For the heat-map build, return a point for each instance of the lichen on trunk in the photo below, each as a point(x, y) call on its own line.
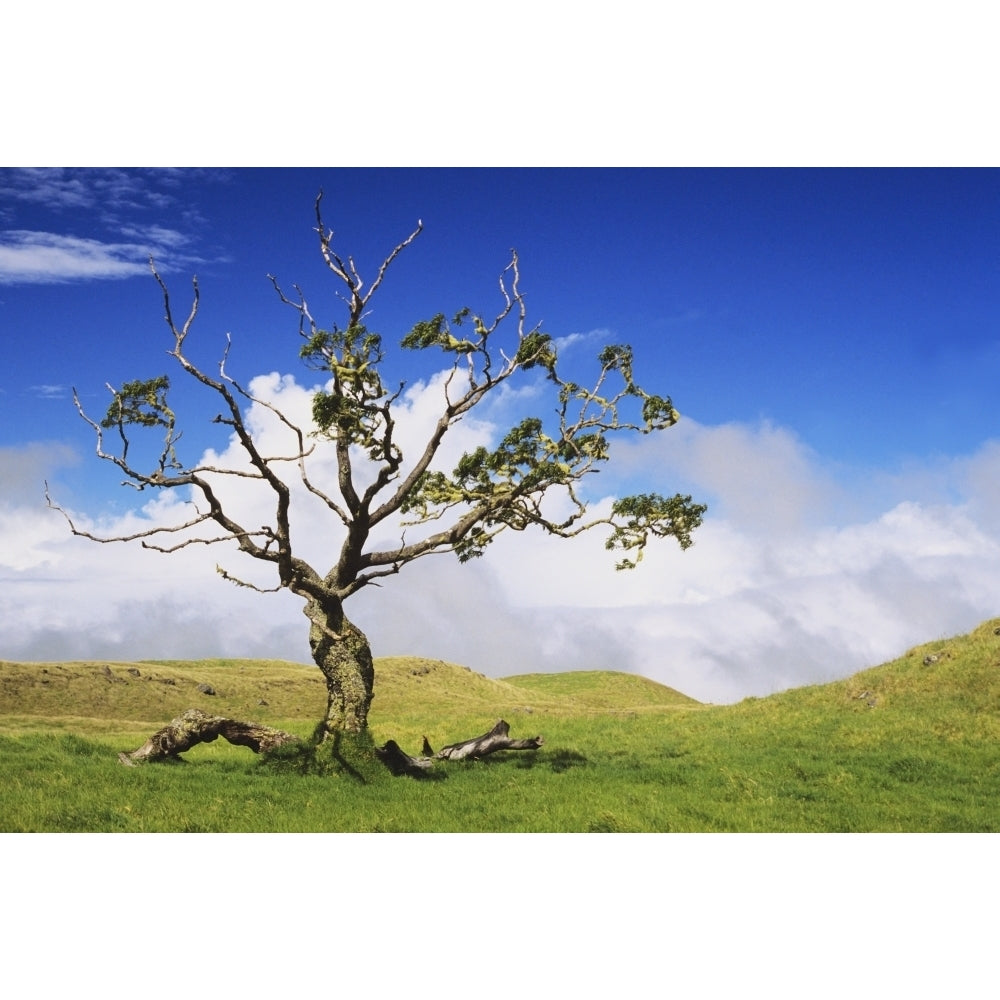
point(194, 727)
point(342, 652)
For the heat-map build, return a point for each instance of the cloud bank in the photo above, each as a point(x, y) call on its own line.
point(803, 571)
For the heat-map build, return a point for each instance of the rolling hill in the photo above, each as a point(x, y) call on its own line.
point(961, 672)
point(910, 745)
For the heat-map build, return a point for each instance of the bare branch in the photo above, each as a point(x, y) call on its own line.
point(148, 533)
point(243, 583)
point(303, 451)
point(300, 307)
point(183, 332)
point(397, 250)
point(200, 541)
point(348, 273)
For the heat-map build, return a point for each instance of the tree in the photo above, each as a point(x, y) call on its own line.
point(462, 511)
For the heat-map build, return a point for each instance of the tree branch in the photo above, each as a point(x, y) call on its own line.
point(348, 273)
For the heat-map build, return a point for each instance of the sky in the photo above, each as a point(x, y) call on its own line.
point(829, 336)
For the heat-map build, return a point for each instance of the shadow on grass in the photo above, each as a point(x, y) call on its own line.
point(339, 755)
point(556, 761)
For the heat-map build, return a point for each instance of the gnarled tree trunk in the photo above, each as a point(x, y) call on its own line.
point(341, 650)
point(194, 727)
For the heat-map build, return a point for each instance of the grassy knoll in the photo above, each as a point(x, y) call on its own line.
point(913, 745)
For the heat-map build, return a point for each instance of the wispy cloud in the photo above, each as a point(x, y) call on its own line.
point(56, 189)
point(156, 237)
point(49, 391)
point(65, 188)
point(690, 315)
point(571, 340)
point(79, 225)
point(30, 257)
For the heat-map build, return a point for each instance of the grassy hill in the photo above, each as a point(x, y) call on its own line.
point(909, 745)
point(412, 694)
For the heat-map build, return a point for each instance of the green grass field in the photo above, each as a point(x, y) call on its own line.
point(913, 745)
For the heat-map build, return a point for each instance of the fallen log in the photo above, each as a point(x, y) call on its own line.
point(194, 727)
point(400, 762)
point(479, 746)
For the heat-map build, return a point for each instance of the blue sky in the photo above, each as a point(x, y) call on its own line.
point(856, 306)
point(830, 338)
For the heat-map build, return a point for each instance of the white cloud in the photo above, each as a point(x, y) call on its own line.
point(762, 477)
point(29, 257)
point(109, 198)
point(61, 188)
point(42, 258)
point(47, 186)
point(571, 340)
point(25, 467)
point(802, 572)
point(156, 236)
point(50, 391)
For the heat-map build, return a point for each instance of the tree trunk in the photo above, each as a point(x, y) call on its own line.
point(194, 727)
point(341, 650)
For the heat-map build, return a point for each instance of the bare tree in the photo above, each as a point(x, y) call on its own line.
point(489, 491)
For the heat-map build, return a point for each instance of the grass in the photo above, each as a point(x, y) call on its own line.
point(913, 745)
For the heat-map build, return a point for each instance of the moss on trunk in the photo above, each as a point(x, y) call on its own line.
point(342, 652)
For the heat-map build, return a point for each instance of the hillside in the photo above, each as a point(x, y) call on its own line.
point(150, 692)
point(911, 745)
point(958, 674)
point(961, 672)
point(601, 690)
point(408, 690)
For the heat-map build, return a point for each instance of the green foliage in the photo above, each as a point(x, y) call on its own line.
point(354, 409)
point(617, 357)
point(536, 349)
point(436, 332)
point(658, 413)
point(143, 403)
point(505, 484)
point(650, 514)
